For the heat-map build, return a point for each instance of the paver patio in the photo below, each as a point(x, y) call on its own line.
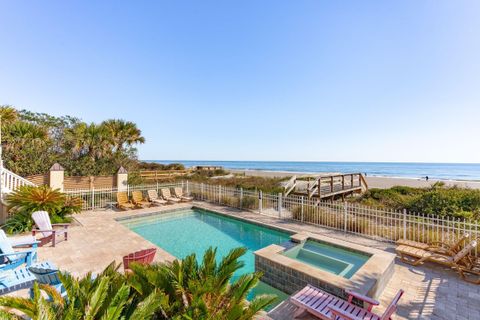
point(431, 292)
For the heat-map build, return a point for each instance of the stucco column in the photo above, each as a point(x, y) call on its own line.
point(122, 179)
point(57, 174)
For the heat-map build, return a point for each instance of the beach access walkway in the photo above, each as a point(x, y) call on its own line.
point(326, 186)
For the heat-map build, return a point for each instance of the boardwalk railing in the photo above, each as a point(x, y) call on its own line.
point(377, 223)
point(336, 185)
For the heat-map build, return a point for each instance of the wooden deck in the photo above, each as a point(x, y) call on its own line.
point(325, 187)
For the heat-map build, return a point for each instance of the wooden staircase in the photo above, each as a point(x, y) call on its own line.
point(328, 186)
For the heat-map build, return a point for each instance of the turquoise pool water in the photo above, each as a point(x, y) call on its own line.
point(330, 258)
point(193, 231)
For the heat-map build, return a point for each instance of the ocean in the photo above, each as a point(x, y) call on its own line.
point(444, 171)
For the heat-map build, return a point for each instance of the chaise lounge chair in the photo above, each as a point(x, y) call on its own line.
point(178, 193)
point(137, 199)
point(416, 256)
point(123, 202)
point(327, 306)
point(50, 232)
point(437, 246)
point(166, 195)
point(470, 272)
point(153, 197)
point(143, 257)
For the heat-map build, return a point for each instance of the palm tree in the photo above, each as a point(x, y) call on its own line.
point(202, 291)
point(8, 114)
point(20, 133)
point(106, 296)
point(19, 140)
point(123, 133)
point(88, 139)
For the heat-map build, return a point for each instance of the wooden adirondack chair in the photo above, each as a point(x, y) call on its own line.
point(327, 306)
point(178, 192)
point(137, 199)
point(50, 232)
point(166, 195)
point(11, 259)
point(14, 280)
point(47, 273)
point(27, 241)
point(123, 202)
point(143, 257)
point(153, 197)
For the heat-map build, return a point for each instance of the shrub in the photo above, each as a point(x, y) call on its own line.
point(250, 202)
point(436, 200)
point(230, 201)
point(159, 166)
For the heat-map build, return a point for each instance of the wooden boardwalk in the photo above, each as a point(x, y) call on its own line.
point(330, 186)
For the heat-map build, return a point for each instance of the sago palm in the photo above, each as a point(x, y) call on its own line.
point(202, 291)
point(106, 296)
point(33, 198)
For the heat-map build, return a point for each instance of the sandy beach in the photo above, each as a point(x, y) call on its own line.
point(373, 181)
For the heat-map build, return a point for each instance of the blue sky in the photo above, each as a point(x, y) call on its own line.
point(256, 80)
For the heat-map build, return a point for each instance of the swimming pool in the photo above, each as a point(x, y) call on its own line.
point(336, 260)
point(195, 230)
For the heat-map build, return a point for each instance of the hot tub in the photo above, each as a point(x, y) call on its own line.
point(328, 257)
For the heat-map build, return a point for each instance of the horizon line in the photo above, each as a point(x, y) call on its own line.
point(312, 161)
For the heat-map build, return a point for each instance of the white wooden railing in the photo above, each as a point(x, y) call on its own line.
point(10, 181)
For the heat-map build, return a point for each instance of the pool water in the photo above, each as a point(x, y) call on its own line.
point(327, 257)
point(182, 233)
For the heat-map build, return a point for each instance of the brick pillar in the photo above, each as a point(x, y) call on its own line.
point(122, 179)
point(57, 174)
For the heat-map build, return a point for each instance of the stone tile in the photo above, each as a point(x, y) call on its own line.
point(431, 292)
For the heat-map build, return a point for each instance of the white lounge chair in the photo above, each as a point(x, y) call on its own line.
point(166, 195)
point(154, 198)
point(178, 193)
point(48, 231)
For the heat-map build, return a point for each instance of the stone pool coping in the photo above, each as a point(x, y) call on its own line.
point(369, 280)
point(206, 208)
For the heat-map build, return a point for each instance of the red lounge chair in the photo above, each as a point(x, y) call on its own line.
point(143, 257)
point(327, 307)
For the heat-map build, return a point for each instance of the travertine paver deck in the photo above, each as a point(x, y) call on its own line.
point(96, 239)
point(431, 292)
